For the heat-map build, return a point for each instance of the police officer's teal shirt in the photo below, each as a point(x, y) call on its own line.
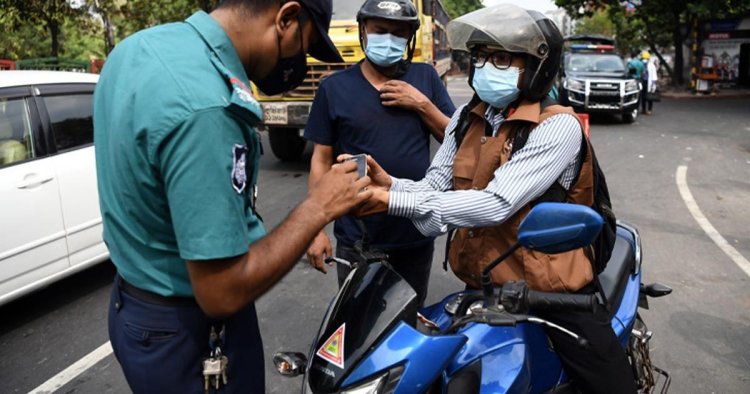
point(176, 153)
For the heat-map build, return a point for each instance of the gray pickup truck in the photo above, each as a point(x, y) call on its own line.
point(594, 79)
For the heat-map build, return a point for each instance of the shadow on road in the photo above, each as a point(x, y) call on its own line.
point(728, 340)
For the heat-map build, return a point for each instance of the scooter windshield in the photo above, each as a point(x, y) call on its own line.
point(372, 300)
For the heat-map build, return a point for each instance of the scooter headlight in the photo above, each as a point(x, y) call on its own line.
point(374, 386)
point(384, 383)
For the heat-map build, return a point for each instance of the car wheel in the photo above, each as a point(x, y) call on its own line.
point(630, 116)
point(286, 143)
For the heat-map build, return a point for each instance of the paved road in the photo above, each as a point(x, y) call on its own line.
point(701, 331)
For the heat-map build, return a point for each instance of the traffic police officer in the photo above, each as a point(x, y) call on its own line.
point(177, 160)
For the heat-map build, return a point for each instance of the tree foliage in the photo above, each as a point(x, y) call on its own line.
point(658, 24)
point(50, 14)
point(456, 8)
point(44, 28)
point(598, 23)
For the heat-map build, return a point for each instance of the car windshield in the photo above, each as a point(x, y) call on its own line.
point(345, 9)
point(594, 63)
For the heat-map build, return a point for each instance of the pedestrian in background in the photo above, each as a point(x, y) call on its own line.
point(653, 77)
point(648, 82)
point(387, 107)
point(177, 160)
point(635, 71)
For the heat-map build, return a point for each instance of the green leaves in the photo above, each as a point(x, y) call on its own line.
point(43, 28)
point(457, 8)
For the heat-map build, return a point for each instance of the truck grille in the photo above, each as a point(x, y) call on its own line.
point(604, 94)
point(316, 73)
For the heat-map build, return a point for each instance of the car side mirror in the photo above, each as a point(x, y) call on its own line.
point(558, 227)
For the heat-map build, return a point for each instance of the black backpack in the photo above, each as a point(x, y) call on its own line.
point(604, 243)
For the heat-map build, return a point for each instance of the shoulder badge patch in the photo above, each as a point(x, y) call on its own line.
point(333, 349)
point(239, 168)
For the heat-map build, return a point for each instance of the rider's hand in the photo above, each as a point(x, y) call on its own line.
point(319, 249)
point(378, 177)
point(401, 94)
point(339, 190)
point(378, 203)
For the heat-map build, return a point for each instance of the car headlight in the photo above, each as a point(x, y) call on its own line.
point(632, 85)
point(374, 386)
point(572, 84)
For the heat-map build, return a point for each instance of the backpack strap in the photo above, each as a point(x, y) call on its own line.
point(463, 124)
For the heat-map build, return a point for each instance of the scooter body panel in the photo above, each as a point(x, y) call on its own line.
point(422, 356)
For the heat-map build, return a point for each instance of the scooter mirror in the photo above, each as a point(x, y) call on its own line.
point(290, 364)
point(559, 227)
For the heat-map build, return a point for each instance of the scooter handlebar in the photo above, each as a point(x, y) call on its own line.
point(540, 300)
point(517, 298)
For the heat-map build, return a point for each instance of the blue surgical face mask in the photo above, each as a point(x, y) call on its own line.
point(497, 88)
point(385, 49)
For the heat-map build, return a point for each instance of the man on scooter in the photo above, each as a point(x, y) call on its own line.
point(503, 152)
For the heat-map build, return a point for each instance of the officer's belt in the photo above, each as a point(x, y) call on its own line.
point(153, 298)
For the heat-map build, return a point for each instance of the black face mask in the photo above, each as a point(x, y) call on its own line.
point(288, 74)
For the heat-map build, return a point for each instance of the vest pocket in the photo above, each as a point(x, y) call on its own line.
point(564, 272)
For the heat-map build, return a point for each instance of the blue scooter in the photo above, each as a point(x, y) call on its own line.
point(373, 340)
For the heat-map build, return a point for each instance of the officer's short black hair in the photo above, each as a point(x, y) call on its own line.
point(259, 6)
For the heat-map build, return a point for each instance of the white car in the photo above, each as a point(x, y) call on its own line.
point(51, 226)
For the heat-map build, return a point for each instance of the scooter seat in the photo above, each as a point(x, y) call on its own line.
point(621, 264)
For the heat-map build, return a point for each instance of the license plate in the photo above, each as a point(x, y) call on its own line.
point(275, 113)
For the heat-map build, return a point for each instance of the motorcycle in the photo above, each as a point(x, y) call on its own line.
point(373, 339)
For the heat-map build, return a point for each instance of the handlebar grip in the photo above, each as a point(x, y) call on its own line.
point(562, 302)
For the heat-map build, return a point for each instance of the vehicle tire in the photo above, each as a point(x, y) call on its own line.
point(286, 143)
point(630, 116)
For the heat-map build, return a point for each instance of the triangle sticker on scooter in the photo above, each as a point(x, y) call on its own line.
point(333, 349)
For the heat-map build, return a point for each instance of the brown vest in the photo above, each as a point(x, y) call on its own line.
point(472, 249)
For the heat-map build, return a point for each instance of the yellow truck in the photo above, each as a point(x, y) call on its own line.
point(285, 115)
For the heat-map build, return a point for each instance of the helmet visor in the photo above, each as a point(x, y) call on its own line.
point(505, 26)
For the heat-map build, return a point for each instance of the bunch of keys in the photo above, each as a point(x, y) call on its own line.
point(215, 366)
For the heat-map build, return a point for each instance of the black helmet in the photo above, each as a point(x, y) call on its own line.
point(394, 10)
point(515, 30)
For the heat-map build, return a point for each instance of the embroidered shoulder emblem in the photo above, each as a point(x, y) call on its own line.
point(333, 349)
point(239, 171)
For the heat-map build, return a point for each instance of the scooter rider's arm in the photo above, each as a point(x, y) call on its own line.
point(549, 151)
point(439, 176)
point(224, 286)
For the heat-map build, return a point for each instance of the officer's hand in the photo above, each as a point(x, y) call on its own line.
point(378, 177)
point(378, 203)
point(401, 94)
point(319, 249)
point(339, 190)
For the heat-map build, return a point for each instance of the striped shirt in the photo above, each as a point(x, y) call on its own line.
point(550, 154)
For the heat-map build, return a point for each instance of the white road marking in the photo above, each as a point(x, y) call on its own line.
point(709, 229)
point(70, 373)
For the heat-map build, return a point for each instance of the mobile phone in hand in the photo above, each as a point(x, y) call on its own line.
point(361, 160)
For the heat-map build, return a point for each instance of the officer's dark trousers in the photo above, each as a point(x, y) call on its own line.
point(161, 348)
point(601, 368)
point(412, 264)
